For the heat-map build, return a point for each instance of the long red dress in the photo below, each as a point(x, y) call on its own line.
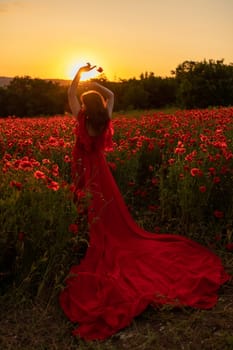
point(126, 268)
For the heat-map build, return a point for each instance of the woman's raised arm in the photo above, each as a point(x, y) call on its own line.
point(72, 91)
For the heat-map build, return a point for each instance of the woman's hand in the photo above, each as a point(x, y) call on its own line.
point(86, 68)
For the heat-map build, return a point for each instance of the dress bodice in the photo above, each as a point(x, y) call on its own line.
point(87, 143)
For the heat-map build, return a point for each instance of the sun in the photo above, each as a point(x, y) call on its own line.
point(73, 67)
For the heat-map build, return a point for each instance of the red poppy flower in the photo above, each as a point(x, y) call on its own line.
point(55, 170)
point(180, 150)
point(216, 179)
point(112, 165)
point(73, 228)
point(212, 171)
point(25, 165)
point(154, 181)
point(171, 161)
point(39, 174)
point(46, 161)
point(196, 172)
point(80, 194)
point(202, 189)
point(229, 247)
point(151, 146)
point(67, 159)
point(7, 156)
point(16, 184)
point(72, 188)
point(218, 214)
point(53, 185)
point(100, 69)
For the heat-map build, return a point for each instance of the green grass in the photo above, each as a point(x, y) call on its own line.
point(137, 113)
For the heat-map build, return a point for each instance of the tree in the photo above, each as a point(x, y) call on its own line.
point(25, 97)
point(203, 84)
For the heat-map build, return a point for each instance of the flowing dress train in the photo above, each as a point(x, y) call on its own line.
point(125, 268)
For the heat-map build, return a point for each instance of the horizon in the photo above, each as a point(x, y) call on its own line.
point(119, 79)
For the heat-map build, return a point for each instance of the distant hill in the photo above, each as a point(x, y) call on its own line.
point(4, 81)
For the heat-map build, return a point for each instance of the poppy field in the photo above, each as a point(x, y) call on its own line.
point(175, 172)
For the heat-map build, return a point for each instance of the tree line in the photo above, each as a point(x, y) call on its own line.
point(192, 85)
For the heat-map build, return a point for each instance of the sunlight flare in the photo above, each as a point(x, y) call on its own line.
point(74, 66)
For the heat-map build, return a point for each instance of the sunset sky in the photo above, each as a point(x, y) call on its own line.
point(49, 38)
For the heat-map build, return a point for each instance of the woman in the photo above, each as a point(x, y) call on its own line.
point(125, 268)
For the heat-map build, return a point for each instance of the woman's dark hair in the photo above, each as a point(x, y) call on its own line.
point(96, 110)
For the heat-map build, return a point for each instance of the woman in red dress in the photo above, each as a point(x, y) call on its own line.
point(125, 268)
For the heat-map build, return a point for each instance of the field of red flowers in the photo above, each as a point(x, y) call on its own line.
point(174, 170)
